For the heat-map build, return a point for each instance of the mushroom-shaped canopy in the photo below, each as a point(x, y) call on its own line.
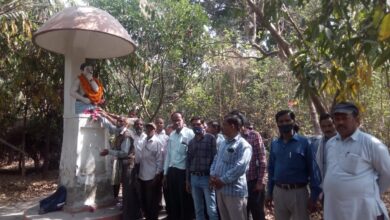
point(93, 31)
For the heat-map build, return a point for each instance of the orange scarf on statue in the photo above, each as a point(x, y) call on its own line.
point(95, 97)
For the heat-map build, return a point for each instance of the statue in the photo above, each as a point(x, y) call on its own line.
point(87, 90)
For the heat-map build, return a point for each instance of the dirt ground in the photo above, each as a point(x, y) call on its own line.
point(14, 188)
point(18, 194)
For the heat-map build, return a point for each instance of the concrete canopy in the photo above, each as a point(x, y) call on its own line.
point(89, 29)
point(80, 33)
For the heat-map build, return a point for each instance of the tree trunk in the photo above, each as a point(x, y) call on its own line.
point(11, 157)
point(314, 119)
point(318, 104)
point(285, 47)
point(23, 158)
point(45, 156)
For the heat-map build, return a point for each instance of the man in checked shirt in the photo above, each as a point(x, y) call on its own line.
point(255, 174)
point(201, 151)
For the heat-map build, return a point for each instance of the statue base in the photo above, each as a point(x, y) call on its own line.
point(85, 174)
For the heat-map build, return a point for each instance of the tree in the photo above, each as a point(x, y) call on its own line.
point(30, 79)
point(171, 44)
point(314, 42)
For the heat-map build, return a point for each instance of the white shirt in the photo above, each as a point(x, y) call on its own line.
point(357, 172)
point(138, 141)
point(150, 158)
point(163, 139)
point(177, 149)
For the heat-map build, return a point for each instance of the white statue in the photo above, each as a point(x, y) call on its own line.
point(87, 90)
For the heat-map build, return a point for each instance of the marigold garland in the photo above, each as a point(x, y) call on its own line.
point(95, 97)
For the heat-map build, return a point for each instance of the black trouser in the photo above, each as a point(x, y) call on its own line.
point(150, 199)
point(131, 197)
point(116, 188)
point(181, 205)
point(255, 204)
point(166, 198)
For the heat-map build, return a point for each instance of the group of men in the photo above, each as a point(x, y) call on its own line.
point(206, 175)
point(347, 169)
point(195, 164)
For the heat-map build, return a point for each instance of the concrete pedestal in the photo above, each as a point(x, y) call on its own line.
point(80, 33)
point(85, 174)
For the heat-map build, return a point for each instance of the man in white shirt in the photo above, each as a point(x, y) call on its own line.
point(134, 205)
point(357, 170)
point(163, 137)
point(160, 131)
point(179, 201)
point(138, 135)
point(150, 172)
point(328, 131)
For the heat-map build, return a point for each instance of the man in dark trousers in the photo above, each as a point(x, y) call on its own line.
point(255, 174)
point(180, 201)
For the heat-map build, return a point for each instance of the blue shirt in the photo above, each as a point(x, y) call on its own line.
point(293, 162)
point(177, 149)
point(230, 165)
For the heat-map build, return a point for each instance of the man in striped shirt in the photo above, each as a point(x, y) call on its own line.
point(227, 172)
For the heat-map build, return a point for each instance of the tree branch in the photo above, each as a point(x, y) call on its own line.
point(289, 18)
point(284, 45)
point(12, 146)
point(262, 51)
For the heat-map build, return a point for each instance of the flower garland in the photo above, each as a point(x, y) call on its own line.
point(95, 113)
point(95, 97)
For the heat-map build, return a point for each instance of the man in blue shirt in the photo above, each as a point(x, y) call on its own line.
point(227, 172)
point(291, 167)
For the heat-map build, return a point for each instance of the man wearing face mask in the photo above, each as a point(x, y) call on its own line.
point(201, 151)
point(291, 167)
point(179, 200)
